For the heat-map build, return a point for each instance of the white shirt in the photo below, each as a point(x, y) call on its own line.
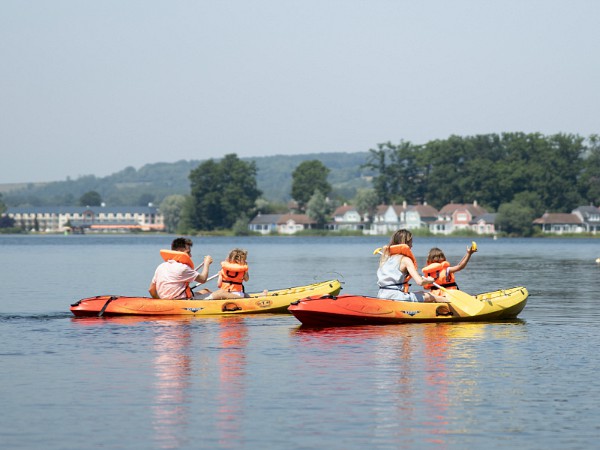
point(171, 279)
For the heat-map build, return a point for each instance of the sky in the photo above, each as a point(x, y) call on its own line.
point(92, 87)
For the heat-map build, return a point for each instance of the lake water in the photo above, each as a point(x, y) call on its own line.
point(263, 382)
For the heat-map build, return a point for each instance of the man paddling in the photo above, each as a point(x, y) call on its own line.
point(172, 278)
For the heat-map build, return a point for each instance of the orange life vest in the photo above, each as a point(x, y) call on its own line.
point(183, 258)
point(442, 277)
point(404, 250)
point(231, 276)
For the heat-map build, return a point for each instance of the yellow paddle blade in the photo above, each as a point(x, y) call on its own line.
point(474, 246)
point(377, 250)
point(467, 303)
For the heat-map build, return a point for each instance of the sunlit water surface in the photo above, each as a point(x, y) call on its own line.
point(265, 382)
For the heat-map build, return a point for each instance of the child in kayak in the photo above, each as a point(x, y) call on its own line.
point(439, 269)
point(233, 273)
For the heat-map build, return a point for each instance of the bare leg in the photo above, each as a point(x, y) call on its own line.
point(432, 298)
point(221, 295)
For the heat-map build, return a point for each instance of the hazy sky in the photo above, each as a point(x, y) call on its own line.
point(91, 87)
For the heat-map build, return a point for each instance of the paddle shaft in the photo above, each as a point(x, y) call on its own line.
point(207, 280)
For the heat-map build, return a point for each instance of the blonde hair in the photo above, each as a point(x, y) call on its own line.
point(237, 256)
point(402, 236)
point(435, 255)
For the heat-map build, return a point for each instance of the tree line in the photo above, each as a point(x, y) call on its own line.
point(555, 173)
point(224, 195)
point(517, 175)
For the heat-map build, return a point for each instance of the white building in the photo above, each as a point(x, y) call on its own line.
point(53, 219)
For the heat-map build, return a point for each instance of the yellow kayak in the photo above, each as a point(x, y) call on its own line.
point(276, 301)
point(356, 309)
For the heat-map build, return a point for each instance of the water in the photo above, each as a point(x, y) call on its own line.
point(265, 382)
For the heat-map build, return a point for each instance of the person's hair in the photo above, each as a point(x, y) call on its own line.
point(402, 236)
point(237, 256)
point(435, 255)
point(181, 244)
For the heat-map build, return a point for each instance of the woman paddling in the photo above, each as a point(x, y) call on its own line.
point(397, 266)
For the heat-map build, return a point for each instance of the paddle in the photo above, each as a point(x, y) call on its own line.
point(207, 280)
point(464, 301)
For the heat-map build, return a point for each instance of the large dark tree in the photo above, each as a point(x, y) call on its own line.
point(400, 174)
point(308, 178)
point(221, 192)
point(91, 198)
point(590, 175)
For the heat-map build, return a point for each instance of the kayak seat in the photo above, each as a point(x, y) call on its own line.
point(230, 306)
point(443, 311)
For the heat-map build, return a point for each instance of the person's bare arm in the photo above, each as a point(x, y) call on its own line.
point(463, 262)
point(153, 291)
point(201, 278)
point(412, 271)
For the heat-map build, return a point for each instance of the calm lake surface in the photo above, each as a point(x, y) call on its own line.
point(263, 382)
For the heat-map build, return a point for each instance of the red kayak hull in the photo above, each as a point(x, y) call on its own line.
point(323, 311)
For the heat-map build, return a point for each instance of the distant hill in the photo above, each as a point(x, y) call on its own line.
point(153, 182)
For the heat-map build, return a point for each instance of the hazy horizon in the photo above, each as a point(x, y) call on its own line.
point(90, 88)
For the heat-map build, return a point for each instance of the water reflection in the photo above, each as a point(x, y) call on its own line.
point(416, 379)
point(172, 369)
point(233, 336)
point(174, 376)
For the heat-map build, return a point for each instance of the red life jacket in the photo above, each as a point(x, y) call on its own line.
point(231, 276)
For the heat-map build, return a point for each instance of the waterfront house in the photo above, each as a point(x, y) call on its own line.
point(590, 218)
point(463, 216)
point(559, 223)
point(264, 223)
point(346, 217)
point(292, 223)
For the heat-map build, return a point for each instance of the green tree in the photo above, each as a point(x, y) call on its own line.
point(556, 169)
point(366, 202)
point(590, 175)
point(400, 174)
point(308, 178)
point(240, 227)
point(317, 208)
point(221, 192)
point(145, 199)
point(6, 222)
point(2, 205)
point(515, 219)
point(266, 207)
point(90, 198)
point(377, 162)
point(171, 208)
